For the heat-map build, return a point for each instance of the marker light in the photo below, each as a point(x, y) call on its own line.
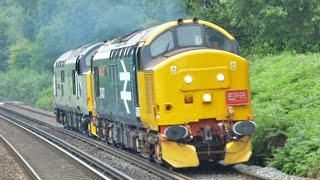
point(220, 77)
point(188, 79)
point(206, 97)
point(188, 99)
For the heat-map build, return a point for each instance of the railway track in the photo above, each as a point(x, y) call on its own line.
point(152, 167)
point(159, 171)
point(47, 159)
point(51, 161)
point(28, 170)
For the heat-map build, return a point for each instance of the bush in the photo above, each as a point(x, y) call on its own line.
point(45, 100)
point(24, 85)
point(286, 104)
point(301, 154)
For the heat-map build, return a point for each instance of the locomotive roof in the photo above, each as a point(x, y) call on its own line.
point(123, 41)
point(147, 36)
point(132, 38)
point(71, 56)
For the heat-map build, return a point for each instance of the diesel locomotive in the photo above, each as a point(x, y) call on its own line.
point(177, 93)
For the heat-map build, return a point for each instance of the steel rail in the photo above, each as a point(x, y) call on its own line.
point(103, 167)
point(140, 162)
point(26, 166)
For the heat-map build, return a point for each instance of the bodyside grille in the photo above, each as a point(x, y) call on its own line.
point(149, 92)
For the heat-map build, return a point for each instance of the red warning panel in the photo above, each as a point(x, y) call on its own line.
point(237, 97)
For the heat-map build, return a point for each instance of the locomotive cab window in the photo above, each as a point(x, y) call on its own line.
point(162, 44)
point(216, 40)
point(189, 36)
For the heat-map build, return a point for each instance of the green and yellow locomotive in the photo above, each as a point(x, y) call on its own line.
point(177, 93)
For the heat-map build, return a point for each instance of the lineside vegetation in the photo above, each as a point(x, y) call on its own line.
point(286, 104)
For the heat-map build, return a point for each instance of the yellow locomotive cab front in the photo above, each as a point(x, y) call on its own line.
point(205, 92)
point(204, 67)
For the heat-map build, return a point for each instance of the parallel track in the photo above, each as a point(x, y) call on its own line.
point(158, 170)
point(81, 156)
point(26, 166)
point(163, 173)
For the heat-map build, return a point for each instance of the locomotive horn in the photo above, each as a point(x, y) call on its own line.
point(195, 20)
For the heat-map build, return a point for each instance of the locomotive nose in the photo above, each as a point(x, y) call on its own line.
point(198, 84)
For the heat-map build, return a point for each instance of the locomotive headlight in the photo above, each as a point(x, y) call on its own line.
point(220, 77)
point(206, 97)
point(188, 79)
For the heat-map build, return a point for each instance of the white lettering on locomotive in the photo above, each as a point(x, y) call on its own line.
point(102, 92)
point(237, 96)
point(124, 94)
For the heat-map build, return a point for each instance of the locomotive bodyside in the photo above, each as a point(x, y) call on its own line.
point(72, 87)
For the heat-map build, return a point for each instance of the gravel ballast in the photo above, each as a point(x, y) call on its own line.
point(203, 172)
point(9, 168)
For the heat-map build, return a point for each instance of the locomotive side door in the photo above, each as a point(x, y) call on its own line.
point(136, 60)
point(114, 83)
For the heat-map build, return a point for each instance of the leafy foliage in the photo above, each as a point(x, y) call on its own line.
point(33, 34)
point(45, 100)
point(15, 87)
point(286, 102)
point(21, 55)
point(265, 26)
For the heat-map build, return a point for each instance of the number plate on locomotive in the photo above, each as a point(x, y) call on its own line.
point(237, 97)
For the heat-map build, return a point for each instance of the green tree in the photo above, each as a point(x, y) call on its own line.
point(14, 85)
point(3, 46)
point(265, 26)
point(156, 12)
point(21, 55)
